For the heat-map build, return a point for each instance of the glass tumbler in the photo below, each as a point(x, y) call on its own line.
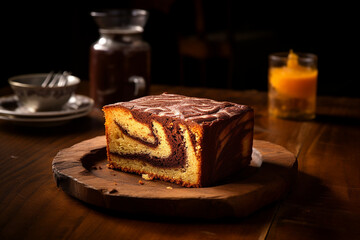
point(292, 85)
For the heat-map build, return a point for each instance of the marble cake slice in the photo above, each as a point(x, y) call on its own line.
point(194, 142)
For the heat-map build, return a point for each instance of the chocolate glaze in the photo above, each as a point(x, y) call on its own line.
point(198, 110)
point(222, 163)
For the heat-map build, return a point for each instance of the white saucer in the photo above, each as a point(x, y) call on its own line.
point(9, 108)
point(44, 121)
point(78, 106)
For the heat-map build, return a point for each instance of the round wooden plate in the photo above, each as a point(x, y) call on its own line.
point(81, 172)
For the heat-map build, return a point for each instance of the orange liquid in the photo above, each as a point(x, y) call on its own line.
point(292, 90)
point(299, 82)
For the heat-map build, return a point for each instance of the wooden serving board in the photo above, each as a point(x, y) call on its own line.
point(81, 172)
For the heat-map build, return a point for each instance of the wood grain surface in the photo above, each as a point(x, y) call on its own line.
point(323, 204)
point(81, 171)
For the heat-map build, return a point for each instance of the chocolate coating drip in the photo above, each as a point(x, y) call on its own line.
point(199, 110)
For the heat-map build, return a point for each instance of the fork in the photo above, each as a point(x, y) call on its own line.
point(55, 80)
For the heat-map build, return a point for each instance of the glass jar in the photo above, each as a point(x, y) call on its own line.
point(119, 67)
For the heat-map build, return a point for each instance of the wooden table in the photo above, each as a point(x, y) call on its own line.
point(323, 204)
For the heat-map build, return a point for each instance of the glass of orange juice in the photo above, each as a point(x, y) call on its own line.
point(292, 85)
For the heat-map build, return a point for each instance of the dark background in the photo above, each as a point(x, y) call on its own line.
point(57, 36)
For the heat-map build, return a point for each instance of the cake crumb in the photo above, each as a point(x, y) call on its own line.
point(141, 182)
point(147, 176)
point(168, 187)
